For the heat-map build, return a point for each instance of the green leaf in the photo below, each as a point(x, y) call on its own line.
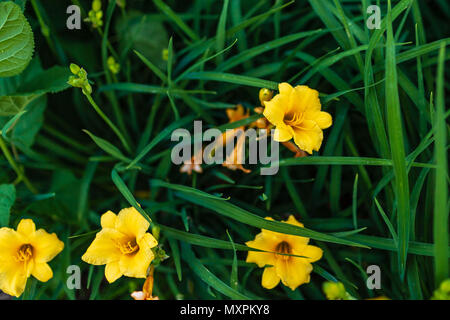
point(16, 40)
point(12, 105)
point(234, 282)
point(27, 127)
point(108, 147)
point(234, 212)
point(232, 78)
point(396, 141)
point(128, 195)
point(440, 223)
point(52, 80)
point(207, 276)
point(175, 18)
point(7, 199)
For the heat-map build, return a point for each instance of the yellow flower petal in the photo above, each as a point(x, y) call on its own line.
point(132, 223)
point(136, 265)
point(293, 272)
point(42, 272)
point(10, 242)
point(262, 242)
point(291, 220)
point(148, 241)
point(283, 133)
point(312, 252)
point(285, 88)
point(13, 278)
point(45, 246)
point(103, 249)
point(321, 118)
point(26, 227)
point(309, 139)
point(307, 98)
point(112, 271)
point(108, 220)
point(275, 110)
point(270, 279)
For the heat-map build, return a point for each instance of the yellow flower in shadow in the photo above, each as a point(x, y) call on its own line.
point(281, 261)
point(296, 113)
point(123, 245)
point(237, 114)
point(26, 252)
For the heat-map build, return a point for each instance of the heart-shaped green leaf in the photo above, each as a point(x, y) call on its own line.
point(16, 40)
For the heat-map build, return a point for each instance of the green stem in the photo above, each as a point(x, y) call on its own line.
point(109, 123)
point(20, 174)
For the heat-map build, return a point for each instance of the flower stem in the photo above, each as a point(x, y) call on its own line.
point(108, 122)
point(20, 174)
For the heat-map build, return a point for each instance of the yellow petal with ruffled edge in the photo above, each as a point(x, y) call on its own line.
point(26, 228)
point(312, 253)
point(262, 242)
point(13, 278)
point(42, 272)
point(132, 223)
point(112, 271)
point(270, 279)
point(293, 272)
point(45, 246)
point(10, 242)
point(108, 220)
point(136, 265)
point(104, 248)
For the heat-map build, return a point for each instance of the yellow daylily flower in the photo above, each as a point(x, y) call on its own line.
point(26, 252)
point(123, 245)
point(296, 113)
point(279, 265)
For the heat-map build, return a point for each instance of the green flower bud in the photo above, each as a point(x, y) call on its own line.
point(96, 5)
point(74, 68)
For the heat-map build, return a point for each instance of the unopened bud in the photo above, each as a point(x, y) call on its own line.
point(265, 95)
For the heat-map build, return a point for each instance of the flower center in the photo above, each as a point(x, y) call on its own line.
point(24, 253)
point(128, 247)
point(293, 119)
point(285, 248)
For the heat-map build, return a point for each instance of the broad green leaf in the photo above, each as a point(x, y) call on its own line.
point(16, 40)
point(7, 199)
point(12, 105)
point(52, 80)
point(27, 127)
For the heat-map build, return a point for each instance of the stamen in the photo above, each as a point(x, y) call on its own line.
point(284, 248)
point(128, 247)
point(24, 253)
